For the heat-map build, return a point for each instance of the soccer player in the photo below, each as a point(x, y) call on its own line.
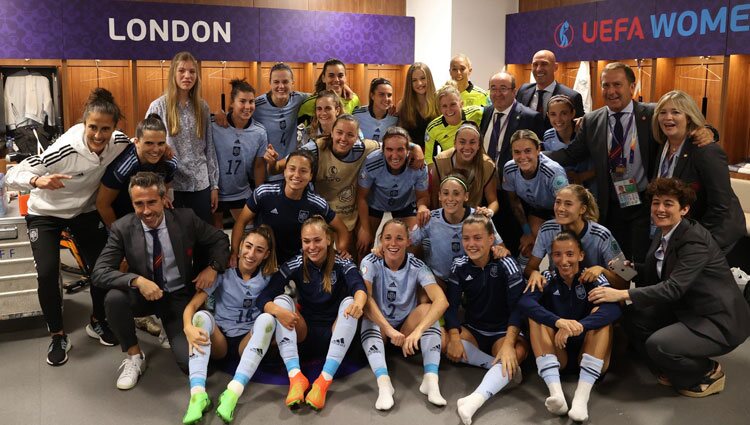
point(285, 206)
point(560, 113)
point(566, 328)
point(442, 130)
point(460, 70)
point(239, 152)
point(375, 119)
point(149, 152)
point(237, 325)
point(576, 210)
point(277, 111)
point(330, 291)
point(388, 184)
point(490, 336)
point(532, 180)
point(392, 313)
point(332, 77)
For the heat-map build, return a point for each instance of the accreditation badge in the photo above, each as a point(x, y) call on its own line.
point(627, 192)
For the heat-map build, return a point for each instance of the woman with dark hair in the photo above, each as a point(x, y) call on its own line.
point(704, 168)
point(332, 77)
point(63, 182)
point(418, 106)
point(686, 306)
point(187, 119)
point(375, 119)
point(560, 113)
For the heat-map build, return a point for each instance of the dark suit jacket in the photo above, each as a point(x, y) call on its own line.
point(127, 240)
point(521, 118)
point(591, 142)
point(526, 93)
point(716, 207)
point(697, 285)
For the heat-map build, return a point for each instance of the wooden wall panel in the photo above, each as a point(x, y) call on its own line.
point(393, 73)
point(376, 7)
point(151, 78)
point(532, 5)
point(282, 4)
point(735, 131)
point(215, 78)
point(690, 77)
point(82, 76)
point(302, 81)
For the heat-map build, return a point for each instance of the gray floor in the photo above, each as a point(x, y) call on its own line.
point(83, 390)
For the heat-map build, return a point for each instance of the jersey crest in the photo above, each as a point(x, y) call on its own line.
point(303, 215)
point(580, 292)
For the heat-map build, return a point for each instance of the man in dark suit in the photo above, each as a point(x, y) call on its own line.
point(158, 245)
point(499, 121)
point(543, 67)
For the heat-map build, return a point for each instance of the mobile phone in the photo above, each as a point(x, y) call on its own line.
point(618, 266)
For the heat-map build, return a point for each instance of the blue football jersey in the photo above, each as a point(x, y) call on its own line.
point(280, 123)
point(540, 190)
point(598, 243)
point(236, 153)
point(371, 127)
point(235, 308)
point(390, 192)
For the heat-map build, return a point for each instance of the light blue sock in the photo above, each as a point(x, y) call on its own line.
point(430, 343)
point(493, 382)
point(549, 368)
point(198, 363)
point(591, 368)
point(372, 344)
point(476, 357)
point(342, 337)
point(287, 339)
point(256, 348)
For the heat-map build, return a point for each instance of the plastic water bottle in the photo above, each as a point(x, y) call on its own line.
point(3, 197)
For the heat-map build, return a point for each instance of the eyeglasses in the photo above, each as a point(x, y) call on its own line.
point(501, 89)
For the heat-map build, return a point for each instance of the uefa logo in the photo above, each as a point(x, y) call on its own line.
point(563, 35)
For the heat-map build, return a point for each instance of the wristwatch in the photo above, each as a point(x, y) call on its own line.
point(216, 266)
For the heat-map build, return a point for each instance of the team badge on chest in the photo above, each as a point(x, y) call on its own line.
point(580, 292)
point(390, 296)
point(303, 215)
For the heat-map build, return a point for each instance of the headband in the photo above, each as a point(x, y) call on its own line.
point(461, 182)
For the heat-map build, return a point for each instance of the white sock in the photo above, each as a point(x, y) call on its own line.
point(197, 362)
point(431, 389)
point(468, 405)
point(556, 403)
point(579, 410)
point(385, 393)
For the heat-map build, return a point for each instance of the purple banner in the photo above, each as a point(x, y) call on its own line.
point(101, 29)
point(643, 29)
point(30, 31)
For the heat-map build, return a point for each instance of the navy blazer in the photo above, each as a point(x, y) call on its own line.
point(127, 240)
point(526, 93)
point(591, 142)
point(716, 207)
point(696, 285)
point(521, 118)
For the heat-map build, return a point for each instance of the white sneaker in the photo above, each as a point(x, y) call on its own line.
point(130, 370)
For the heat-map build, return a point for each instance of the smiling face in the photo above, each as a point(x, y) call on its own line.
point(395, 240)
point(526, 155)
point(502, 92)
point(395, 151)
point(477, 242)
point(452, 196)
point(98, 129)
point(282, 83)
point(315, 243)
point(467, 145)
point(151, 147)
point(185, 75)
point(335, 77)
point(561, 115)
point(419, 82)
point(382, 98)
point(148, 205)
point(566, 255)
point(253, 252)
point(297, 173)
point(450, 107)
point(543, 66)
point(616, 89)
point(243, 105)
point(326, 111)
point(666, 211)
point(343, 136)
point(672, 121)
point(460, 70)
point(568, 208)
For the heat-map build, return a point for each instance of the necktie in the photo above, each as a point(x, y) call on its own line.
point(495, 136)
point(618, 139)
point(540, 101)
point(158, 258)
point(659, 255)
point(664, 171)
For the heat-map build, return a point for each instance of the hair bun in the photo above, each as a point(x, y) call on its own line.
point(153, 116)
point(101, 94)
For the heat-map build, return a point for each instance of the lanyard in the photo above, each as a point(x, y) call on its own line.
point(507, 118)
point(633, 139)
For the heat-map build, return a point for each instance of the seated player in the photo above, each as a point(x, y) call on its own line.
point(565, 327)
point(330, 291)
point(490, 336)
point(392, 312)
point(237, 325)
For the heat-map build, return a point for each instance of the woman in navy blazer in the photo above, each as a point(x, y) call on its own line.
point(686, 306)
point(702, 168)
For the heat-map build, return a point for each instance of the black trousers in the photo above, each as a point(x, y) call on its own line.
point(199, 202)
point(506, 224)
point(122, 306)
point(670, 347)
point(631, 228)
point(44, 235)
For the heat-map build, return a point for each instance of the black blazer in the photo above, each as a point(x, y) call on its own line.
point(716, 207)
point(521, 117)
point(591, 142)
point(526, 93)
point(696, 284)
point(127, 240)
